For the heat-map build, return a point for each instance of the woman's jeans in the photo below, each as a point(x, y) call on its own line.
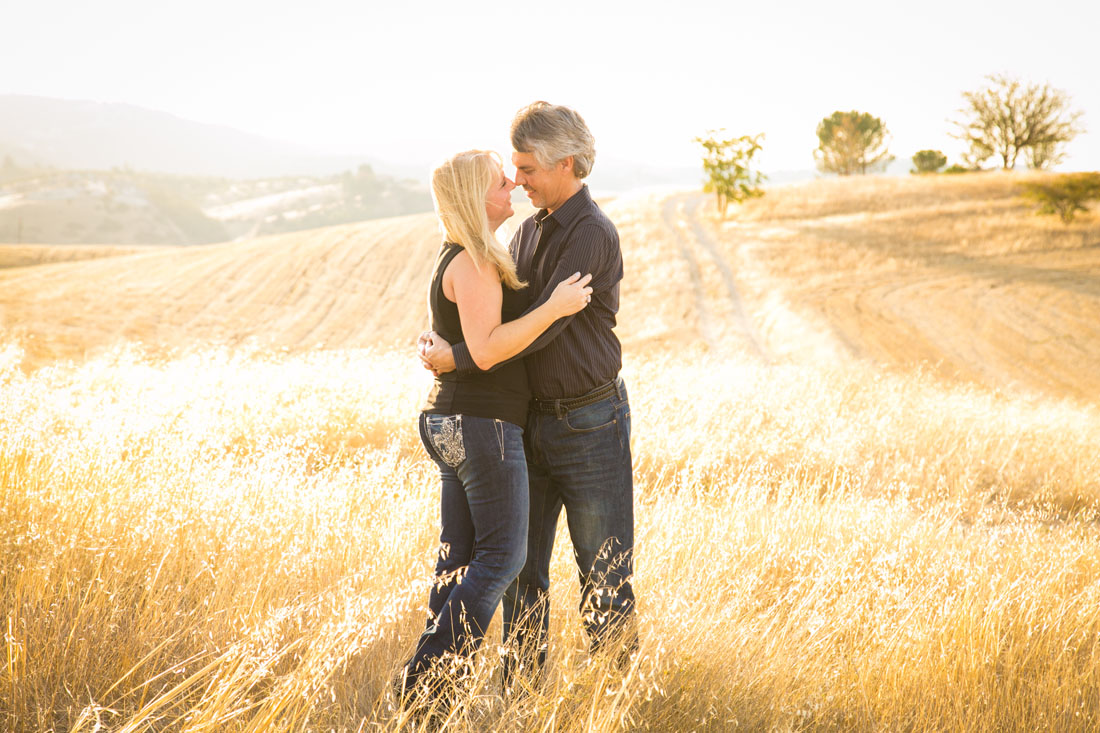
point(483, 542)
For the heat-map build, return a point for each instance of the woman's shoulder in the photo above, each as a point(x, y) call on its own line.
point(459, 260)
point(462, 266)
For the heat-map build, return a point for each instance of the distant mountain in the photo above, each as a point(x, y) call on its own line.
point(69, 134)
point(612, 175)
point(88, 172)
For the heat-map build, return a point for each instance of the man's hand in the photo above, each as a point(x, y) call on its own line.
point(423, 341)
point(435, 353)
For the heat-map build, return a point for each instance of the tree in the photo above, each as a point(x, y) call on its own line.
point(851, 142)
point(361, 182)
point(726, 162)
point(928, 161)
point(10, 169)
point(1008, 117)
point(1045, 155)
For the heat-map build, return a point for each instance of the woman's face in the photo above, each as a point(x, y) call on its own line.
point(498, 204)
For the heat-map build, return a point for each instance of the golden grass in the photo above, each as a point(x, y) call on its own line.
point(347, 286)
point(956, 273)
point(29, 255)
point(240, 537)
point(233, 541)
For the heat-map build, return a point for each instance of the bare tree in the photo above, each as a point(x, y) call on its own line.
point(1009, 116)
point(851, 142)
point(1045, 155)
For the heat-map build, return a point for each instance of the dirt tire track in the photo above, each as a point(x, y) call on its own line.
point(707, 325)
point(742, 323)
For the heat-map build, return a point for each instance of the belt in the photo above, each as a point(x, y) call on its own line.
point(557, 407)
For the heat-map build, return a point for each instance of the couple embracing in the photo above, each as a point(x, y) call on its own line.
point(528, 414)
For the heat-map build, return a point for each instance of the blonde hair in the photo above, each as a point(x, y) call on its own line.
point(460, 189)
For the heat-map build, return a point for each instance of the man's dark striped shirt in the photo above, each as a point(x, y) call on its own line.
point(578, 353)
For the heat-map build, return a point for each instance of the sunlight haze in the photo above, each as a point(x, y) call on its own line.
point(854, 484)
point(411, 83)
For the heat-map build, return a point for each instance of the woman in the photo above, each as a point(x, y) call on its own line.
point(472, 424)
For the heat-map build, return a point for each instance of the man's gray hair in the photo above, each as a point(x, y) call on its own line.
point(553, 133)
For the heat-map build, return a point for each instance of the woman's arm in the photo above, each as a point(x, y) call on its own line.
point(478, 295)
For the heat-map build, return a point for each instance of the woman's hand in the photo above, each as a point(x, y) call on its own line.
point(571, 295)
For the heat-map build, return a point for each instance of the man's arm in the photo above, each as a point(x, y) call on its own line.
point(590, 249)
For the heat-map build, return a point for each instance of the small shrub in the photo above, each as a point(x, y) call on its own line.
point(1065, 195)
point(956, 168)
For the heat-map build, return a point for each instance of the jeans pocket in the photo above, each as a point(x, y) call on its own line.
point(445, 432)
point(591, 418)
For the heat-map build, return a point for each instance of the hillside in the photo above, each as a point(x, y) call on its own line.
point(346, 287)
point(954, 275)
point(29, 255)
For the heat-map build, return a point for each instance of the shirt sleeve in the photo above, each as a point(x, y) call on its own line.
point(590, 249)
point(464, 363)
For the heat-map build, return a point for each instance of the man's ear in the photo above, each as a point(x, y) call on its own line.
point(566, 164)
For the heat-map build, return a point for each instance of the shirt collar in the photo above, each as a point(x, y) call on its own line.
point(570, 210)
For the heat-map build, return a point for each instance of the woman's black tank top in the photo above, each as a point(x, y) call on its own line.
point(502, 393)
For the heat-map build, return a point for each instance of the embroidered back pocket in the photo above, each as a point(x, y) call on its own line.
point(445, 432)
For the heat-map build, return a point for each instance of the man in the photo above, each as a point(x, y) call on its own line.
point(577, 438)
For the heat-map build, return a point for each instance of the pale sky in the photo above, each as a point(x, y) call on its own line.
point(414, 82)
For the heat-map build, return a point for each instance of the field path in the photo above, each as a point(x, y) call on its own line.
point(722, 319)
point(693, 208)
point(707, 326)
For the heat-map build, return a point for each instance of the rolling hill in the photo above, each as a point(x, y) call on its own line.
point(952, 275)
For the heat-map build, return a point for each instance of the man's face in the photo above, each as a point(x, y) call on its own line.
point(546, 187)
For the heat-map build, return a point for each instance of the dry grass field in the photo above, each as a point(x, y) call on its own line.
point(28, 255)
point(867, 482)
point(955, 275)
point(350, 286)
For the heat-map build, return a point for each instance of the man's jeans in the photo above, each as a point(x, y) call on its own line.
point(579, 459)
point(483, 542)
